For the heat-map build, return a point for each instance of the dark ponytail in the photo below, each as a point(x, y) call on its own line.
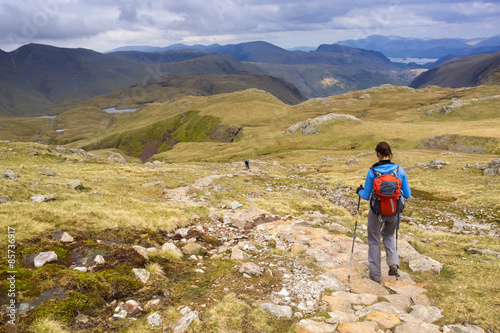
point(384, 149)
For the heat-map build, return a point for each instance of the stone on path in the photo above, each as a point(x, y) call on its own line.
point(44, 257)
point(362, 298)
point(342, 317)
point(364, 327)
point(385, 321)
point(337, 303)
point(278, 311)
point(405, 288)
point(427, 314)
point(417, 328)
point(154, 319)
point(331, 281)
point(384, 307)
point(141, 274)
point(316, 326)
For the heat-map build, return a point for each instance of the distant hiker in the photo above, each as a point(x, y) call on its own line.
point(386, 186)
point(247, 164)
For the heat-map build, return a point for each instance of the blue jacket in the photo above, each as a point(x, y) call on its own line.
point(385, 167)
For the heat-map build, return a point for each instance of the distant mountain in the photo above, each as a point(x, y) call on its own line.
point(168, 56)
point(178, 46)
point(492, 41)
point(263, 52)
point(302, 49)
point(399, 47)
point(328, 70)
point(36, 77)
point(462, 72)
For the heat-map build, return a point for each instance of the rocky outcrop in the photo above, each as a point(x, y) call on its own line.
point(310, 126)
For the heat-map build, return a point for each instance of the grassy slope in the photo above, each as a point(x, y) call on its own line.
point(115, 198)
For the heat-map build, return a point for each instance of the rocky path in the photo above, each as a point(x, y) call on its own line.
point(357, 304)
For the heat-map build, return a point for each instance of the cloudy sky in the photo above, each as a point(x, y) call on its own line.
point(102, 25)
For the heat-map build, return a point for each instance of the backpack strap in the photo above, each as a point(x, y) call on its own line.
point(377, 173)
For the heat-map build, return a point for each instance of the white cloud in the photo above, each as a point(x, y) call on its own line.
point(89, 23)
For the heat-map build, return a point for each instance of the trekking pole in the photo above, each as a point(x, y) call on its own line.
point(397, 228)
point(353, 239)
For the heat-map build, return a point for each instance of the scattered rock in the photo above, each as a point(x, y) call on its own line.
point(454, 103)
point(75, 184)
point(436, 164)
point(194, 248)
point(237, 254)
point(141, 274)
point(132, 307)
point(44, 257)
point(278, 311)
point(99, 260)
point(81, 269)
point(142, 251)
point(154, 303)
point(66, 238)
point(251, 268)
point(43, 198)
point(9, 174)
point(493, 168)
point(154, 319)
point(116, 158)
point(462, 329)
point(183, 324)
point(172, 249)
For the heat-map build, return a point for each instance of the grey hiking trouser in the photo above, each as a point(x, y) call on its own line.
point(386, 229)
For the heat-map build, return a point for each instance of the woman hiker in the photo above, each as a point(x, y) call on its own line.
point(379, 224)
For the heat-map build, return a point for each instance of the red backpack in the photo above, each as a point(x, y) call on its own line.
point(386, 195)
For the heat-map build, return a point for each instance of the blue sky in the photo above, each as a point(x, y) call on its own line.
point(103, 25)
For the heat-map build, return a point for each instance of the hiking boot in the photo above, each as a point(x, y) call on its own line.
point(393, 271)
point(376, 280)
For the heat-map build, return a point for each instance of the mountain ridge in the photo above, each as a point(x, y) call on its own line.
point(462, 72)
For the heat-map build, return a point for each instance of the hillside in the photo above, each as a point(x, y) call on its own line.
point(462, 72)
point(210, 245)
point(159, 57)
point(36, 77)
point(55, 75)
point(329, 70)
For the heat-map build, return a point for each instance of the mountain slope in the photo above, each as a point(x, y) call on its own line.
point(15, 91)
point(263, 52)
point(159, 57)
point(462, 72)
point(36, 77)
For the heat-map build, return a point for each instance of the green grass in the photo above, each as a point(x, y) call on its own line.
point(116, 204)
